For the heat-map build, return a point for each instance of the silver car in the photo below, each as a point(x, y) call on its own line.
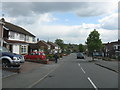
point(9, 59)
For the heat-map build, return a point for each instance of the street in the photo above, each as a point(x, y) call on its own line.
point(69, 72)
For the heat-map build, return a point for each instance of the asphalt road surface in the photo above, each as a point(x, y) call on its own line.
point(79, 73)
point(67, 73)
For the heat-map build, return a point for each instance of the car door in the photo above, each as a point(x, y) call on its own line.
point(32, 55)
point(36, 57)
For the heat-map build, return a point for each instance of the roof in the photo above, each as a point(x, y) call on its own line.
point(51, 43)
point(44, 42)
point(16, 28)
point(112, 43)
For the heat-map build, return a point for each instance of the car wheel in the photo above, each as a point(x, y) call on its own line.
point(5, 63)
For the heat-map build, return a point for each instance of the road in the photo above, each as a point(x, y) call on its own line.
point(67, 73)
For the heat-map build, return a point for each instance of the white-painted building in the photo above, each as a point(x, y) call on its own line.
point(17, 39)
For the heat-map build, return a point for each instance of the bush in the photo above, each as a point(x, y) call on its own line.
point(106, 58)
point(50, 57)
point(119, 58)
point(60, 55)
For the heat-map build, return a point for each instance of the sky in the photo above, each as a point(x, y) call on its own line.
point(69, 21)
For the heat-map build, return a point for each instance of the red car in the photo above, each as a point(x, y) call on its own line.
point(35, 56)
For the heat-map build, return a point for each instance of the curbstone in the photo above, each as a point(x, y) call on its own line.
point(106, 67)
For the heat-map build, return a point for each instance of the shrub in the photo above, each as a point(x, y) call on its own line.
point(106, 58)
point(50, 57)
point(119, 58)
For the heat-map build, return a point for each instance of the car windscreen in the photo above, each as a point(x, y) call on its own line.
point(3, 49)
point(80, 54)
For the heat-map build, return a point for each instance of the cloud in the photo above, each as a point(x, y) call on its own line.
point(47, 17)
point(71, 34)
point(83, 9)
point(35, 17)
point(39, 19)
point(110, 22)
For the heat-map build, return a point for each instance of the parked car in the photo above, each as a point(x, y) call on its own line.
point(35, 56)
point(80, 55)
point(9, 59)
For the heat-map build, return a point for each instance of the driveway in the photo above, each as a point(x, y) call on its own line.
point(26, 67)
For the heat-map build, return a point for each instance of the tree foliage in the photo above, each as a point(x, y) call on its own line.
point(94, 43)
point(81, 48)
point(60, 42)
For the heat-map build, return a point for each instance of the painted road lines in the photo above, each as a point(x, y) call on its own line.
point(83, 70)
point(92, 84)
point(88, 77)
point(79, 64)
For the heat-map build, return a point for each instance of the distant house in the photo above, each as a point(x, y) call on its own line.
point(40, 46)
point(16, 39)
point(54, 47)
point(112, 49)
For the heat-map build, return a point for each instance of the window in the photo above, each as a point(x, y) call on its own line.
point(12, 35)
point(27, 38)
point(37, 53)
point(22, 37)
point(33, 39)
point(119, 48)
point(24, 49)
point(32, 53)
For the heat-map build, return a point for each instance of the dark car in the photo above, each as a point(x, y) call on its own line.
point(80, 56)
point(9, 59)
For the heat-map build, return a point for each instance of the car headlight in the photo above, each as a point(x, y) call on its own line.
point(14, 58)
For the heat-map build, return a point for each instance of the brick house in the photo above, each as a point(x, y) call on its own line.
point(40, 46)
point(54, 47)
point(112, 49)
point(16, 38)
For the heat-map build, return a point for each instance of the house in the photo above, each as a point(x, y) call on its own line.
point(16, 38)
point(40, 46)
point(54, 47)
point(112, 49)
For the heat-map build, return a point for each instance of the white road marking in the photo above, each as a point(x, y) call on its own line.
point(92, 83)
point(79, 64)
point(83, 70)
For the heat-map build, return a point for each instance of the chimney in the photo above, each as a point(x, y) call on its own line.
point(3, 20)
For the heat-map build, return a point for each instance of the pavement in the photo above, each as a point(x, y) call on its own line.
point(31, 72)
point(111, 65)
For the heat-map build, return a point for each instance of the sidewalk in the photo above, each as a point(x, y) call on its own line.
point(34, 73)
point(111, 65)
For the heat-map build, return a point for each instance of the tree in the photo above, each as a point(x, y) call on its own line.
point(94, 43)
point(81, 48)
point(60, 42)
